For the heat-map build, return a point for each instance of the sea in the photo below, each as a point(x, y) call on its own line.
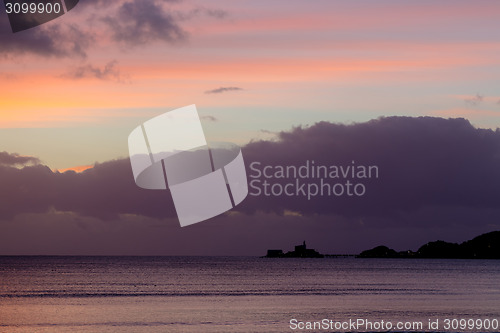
point(247, 294)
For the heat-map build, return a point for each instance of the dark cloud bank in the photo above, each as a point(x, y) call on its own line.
point(16, 159)
point(434, 174)
point(422, 162)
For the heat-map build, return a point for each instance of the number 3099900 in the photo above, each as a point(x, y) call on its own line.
point(25, 7)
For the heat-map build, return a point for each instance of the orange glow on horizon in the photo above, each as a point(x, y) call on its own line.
point(77, 169)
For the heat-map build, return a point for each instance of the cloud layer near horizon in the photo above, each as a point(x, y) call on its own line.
point(423, 163)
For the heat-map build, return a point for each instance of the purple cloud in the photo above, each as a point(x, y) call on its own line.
point(422, 162)
point(130, 23)
point(141, 22)
point(47, 40)
point(425, 165)
point(438, 179)
point(16, 159)
point(104, 191)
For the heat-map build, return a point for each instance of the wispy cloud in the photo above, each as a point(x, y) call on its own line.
point(475, 100)
point(209, 118)
point(215, 13)
point(108, 72)
point(8, 76)
point(222, 90)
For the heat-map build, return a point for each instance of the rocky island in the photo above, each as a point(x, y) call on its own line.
point(486, 246)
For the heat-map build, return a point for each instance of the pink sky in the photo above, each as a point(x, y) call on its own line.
point(295, 63)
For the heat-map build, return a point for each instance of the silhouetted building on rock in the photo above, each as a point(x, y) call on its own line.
point(274, 253)
point(301, 251)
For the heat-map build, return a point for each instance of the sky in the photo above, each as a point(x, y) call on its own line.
point(411, 87)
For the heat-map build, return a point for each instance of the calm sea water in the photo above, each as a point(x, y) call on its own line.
point(238, 294)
